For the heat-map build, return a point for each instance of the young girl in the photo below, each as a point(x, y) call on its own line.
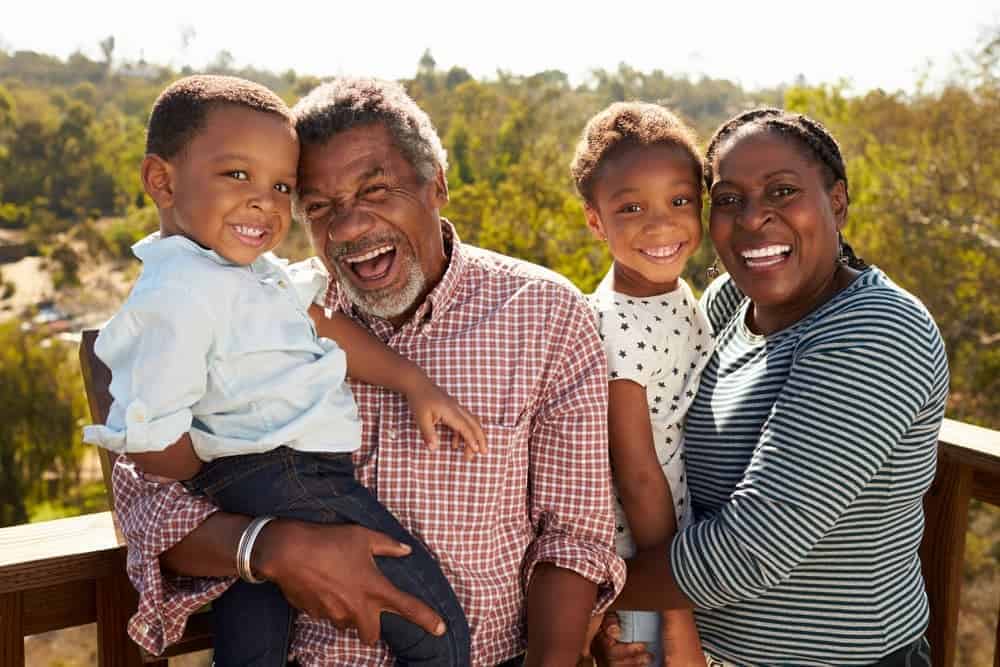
point(639, 173)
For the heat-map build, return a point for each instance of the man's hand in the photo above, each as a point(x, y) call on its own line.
point(432, 405)
point(329, 572)
point(609, 652)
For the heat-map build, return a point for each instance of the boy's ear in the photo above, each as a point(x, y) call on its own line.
point(157, 179)
point(594, 222)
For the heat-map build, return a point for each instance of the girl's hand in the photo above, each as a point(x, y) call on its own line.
point(610, 652)
point(431, 405)
point(592, 629)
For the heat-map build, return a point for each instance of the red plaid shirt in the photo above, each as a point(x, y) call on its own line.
point(516, 345)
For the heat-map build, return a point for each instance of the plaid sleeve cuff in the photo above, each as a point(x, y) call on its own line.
point(594, 562)
point(155, 517)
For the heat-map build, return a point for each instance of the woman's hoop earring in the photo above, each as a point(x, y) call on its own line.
point(842, 258)
point(713, 269)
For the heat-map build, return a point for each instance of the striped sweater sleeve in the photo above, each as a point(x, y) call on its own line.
point(720, 300)
point(858, 381)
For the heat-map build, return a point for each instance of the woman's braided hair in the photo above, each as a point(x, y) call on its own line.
point(809, 133)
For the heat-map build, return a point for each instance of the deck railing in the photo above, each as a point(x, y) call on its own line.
point(69, 572)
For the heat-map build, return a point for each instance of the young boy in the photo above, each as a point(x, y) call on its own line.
point(219, 377)
point(639, 173)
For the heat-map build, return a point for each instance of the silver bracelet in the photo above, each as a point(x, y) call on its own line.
point(245, 549)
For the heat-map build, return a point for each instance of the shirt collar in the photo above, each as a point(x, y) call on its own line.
point(156, 247)
point(438, 301)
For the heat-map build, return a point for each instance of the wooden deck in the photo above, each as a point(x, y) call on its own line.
point(70, 572)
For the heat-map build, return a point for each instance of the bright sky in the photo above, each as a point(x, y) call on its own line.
point(872, 43)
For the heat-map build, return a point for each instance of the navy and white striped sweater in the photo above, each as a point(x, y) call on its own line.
point(808, 453)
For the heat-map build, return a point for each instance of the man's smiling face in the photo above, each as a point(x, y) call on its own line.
point(374, 222)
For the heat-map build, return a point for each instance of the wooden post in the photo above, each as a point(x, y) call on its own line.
point(996, 645)
point(12, 629)
point(116, 600)
point(946, 508)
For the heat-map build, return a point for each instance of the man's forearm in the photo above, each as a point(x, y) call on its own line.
point(560, 603)
point(210, 549)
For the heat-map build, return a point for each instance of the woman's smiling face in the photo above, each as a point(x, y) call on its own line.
point(774, 220)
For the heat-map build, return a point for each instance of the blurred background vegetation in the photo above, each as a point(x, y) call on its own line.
point(924, 171)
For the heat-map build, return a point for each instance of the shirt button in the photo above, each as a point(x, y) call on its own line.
point(390, 434)
point(281, 284)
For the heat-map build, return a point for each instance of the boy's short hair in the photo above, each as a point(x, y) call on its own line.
point(623, 125)
point(180, 111)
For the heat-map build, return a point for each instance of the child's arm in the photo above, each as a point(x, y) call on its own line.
point(369, 360)
point(648, 503)
point(177, 461)
point(642, 487)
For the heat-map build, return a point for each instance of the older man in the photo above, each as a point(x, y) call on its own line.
point(524, 533)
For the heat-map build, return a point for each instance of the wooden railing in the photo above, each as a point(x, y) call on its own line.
point(968, 469)
point(70, 572)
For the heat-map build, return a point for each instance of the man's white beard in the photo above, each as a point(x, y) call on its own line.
point(386, 302)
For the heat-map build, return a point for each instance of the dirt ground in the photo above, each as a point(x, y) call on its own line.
point(32, 284)
point(103, 286)
point(77, 647)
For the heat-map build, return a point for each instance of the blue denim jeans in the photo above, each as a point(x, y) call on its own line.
point(253, 622)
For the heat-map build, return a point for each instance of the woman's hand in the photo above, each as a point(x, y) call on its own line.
point(329, 572)
point(431, 405)
point(609, 652)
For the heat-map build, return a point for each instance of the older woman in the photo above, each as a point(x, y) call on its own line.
point(813, 435)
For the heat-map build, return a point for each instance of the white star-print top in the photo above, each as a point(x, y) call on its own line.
point(662, 343)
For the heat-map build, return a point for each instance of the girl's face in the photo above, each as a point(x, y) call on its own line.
point(647, 205)
point(774, 222)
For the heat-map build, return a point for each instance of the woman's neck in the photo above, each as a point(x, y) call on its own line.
point(766, 320)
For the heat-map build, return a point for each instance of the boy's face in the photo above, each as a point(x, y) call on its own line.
point(647, 205)
point(230, 189)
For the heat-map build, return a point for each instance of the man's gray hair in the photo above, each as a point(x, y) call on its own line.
point(348, 102)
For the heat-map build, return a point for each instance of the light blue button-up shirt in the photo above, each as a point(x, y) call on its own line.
point(225, 352)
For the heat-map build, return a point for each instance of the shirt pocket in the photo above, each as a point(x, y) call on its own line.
point(469, 498)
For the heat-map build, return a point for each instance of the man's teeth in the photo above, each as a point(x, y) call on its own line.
point(767, 251)
point(371, 254)
point(249, 231)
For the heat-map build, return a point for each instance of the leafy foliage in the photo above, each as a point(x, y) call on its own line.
point(41, 405)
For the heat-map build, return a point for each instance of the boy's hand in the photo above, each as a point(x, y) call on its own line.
point(176, 462)
point(431, 405)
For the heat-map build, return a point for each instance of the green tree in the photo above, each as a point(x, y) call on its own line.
point(108, 50)
point(41, 412)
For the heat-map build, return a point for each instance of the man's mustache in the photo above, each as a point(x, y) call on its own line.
point(336, 251)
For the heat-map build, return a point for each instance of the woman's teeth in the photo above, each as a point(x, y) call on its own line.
point(766, 256)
